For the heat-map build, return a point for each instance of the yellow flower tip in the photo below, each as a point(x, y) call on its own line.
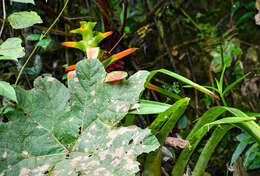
point(70, 68)
point(83, 28)
point(70, 74)
point(69, 44)
point(74, 31)
point(124, 53)
point(93, 23)
point(106, 34)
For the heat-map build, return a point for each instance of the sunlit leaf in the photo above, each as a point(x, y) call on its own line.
point(67, 131)
point(11, 49)
point(7, 90)
point(19, 20)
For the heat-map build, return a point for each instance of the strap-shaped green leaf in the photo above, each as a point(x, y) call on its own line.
point(72, 131)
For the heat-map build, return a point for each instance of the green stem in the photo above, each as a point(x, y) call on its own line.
point(192, 21)
point(35, 47)
point(210, 147)
point(223, 99)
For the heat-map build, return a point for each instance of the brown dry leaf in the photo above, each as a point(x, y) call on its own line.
point(175, 142)
point(174, 51)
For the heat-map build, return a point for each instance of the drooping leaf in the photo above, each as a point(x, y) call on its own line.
point(7, 90)
point(240, 148)
point(19, 20)
point(150, 107)
point(71, 131)
point(11, 49)
point(33, 37)
point(44, 43)
point(182, 79)
point(163, 124)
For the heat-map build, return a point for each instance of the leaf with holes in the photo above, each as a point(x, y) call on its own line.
point(73, 131)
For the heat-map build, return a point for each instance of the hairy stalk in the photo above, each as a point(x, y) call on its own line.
point(35, 48)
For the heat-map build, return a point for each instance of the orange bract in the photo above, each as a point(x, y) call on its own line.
point(106, 34)
point(83, 27)
point(70, 74)
point(69, 44)
point(123, 53)
point(152, 87)
point(70, 68)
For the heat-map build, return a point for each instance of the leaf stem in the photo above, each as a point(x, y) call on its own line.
point(4, 18)
point(36, 47)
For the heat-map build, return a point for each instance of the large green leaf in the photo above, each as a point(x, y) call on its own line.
point(19, 20)
point(73, 131)
point(163, 124)
point(7, 90)
point(11, 49)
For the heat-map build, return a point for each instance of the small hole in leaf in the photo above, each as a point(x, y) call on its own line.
point(83, 78)
point(131, 141)
point(67, 156)
point(46, 172)
point(89, 155)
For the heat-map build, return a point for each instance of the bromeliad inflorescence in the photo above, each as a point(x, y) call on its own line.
point(89, 45)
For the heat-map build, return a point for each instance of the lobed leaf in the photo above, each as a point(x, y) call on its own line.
point(72, 131)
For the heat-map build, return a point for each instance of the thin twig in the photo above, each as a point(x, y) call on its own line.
point(4, 18)
point(148, 17)
point(192, 74)
point(53, 12)
point(125, 17)
point(36, 47)
point(117, 43)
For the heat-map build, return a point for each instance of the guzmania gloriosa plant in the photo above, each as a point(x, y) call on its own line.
point(58, 131)
point(89, 45)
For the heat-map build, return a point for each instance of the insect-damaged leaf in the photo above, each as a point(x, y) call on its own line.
point(42, 135)
point(115, 76)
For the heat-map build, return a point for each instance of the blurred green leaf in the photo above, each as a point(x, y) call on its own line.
point(24, 1)
point(20, 20)
point(183, 122)
point(240, 148)
point(7, 90)
point(44, 43)
point(33, 37)
point(11, 49)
